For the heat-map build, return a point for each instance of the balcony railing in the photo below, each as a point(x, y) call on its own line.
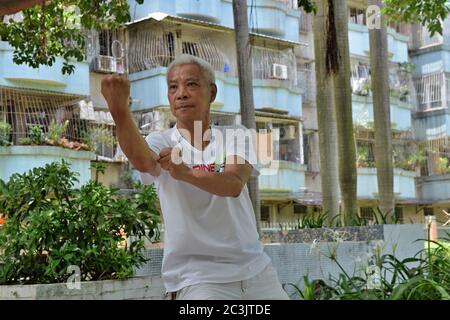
point(433, 91)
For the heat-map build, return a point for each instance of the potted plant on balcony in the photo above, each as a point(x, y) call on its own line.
point(5, 132)
point(40, 147)
point(52, 230)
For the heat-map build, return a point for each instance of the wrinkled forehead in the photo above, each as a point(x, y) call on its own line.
point(183, 72)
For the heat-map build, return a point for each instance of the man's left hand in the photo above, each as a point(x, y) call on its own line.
point(170, 160)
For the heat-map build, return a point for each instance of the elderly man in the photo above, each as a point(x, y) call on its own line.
point(211, 246)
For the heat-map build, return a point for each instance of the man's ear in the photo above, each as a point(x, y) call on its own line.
point(213, 93)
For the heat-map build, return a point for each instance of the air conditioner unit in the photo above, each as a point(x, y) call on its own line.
point(287, 133)
point(279, 71)
point(104, 64)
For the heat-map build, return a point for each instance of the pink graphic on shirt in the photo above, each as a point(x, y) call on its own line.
point(204, 167)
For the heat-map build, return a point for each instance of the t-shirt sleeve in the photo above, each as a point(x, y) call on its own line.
point(241, 142)
point(156, 142)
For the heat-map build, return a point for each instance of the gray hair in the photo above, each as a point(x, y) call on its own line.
point(205, 68)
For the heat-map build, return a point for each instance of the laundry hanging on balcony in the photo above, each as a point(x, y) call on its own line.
point(87, 112)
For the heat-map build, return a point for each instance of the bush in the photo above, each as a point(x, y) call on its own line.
point(5, 132)
point(425, 276)
point(50, 226)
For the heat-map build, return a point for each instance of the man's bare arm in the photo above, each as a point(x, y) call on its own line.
point(116, 91)
point(225, 184)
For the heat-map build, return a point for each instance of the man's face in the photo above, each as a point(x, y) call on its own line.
point(189, 93)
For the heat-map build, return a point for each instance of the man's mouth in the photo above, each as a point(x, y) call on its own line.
point(182, 107)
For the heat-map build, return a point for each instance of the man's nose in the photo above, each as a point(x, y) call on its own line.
point(182, 93)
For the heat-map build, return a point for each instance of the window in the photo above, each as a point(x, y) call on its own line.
point(300, 209)
point(367, 214)
point(399, 214)
point(105, 41)
point(357, 16)
point(190, 48)
point(265, 213)
point(428, 211)
point(170, 43)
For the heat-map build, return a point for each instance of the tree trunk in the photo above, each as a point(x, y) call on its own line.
point(338, 66)
point(326, 118)
point(243, 48)
point(382, 117)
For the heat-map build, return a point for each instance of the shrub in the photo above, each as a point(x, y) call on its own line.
point(51, 226)
point(5, 131)
point(56, 131)
point(425, 276)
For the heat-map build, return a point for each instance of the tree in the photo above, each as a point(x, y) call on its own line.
point(244, 59)
point(379, 63)
point(58, 28)
point(338, 68)
point(326, 118)
point(424, 12)
point(334, 105)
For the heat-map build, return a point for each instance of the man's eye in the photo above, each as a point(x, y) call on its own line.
point(192, 84)
point(173, 87)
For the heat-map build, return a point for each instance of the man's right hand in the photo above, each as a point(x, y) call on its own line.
point(116, 91)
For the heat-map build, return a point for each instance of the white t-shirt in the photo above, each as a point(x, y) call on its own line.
point(207, 238)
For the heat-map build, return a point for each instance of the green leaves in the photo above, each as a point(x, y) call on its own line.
point(51, 226)
point(308, 6)
point(57, 28)
point(425, 276)
point(425, 12)
point(5, 132)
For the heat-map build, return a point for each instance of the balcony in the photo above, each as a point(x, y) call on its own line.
point(363, 112)
point(434, 188)
point(285, 179)
point(433, 91)
point(150, 88)
point(359, 42)
point(404, 187)
point(205, 10)
point(275, 17)
point(433, 124)
point(43, 78)
point(20, 159)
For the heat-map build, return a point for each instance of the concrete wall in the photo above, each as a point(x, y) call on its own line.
point(44, 77)
point(362, 107)
point(291, 260)
point(138, 288)
point(20, 159)
point(359, 43)
point(295, 260)
point(112, 174)
point(436, 188)
point(404, 185)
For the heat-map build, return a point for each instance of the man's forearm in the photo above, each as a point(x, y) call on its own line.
point(133, 144)
point(223, 184)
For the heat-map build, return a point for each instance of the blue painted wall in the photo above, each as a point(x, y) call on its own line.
point(43, 78)
point(359, 42)
point(283, 175)
point(403, 183)
point(363, 112)
point(20, 159)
